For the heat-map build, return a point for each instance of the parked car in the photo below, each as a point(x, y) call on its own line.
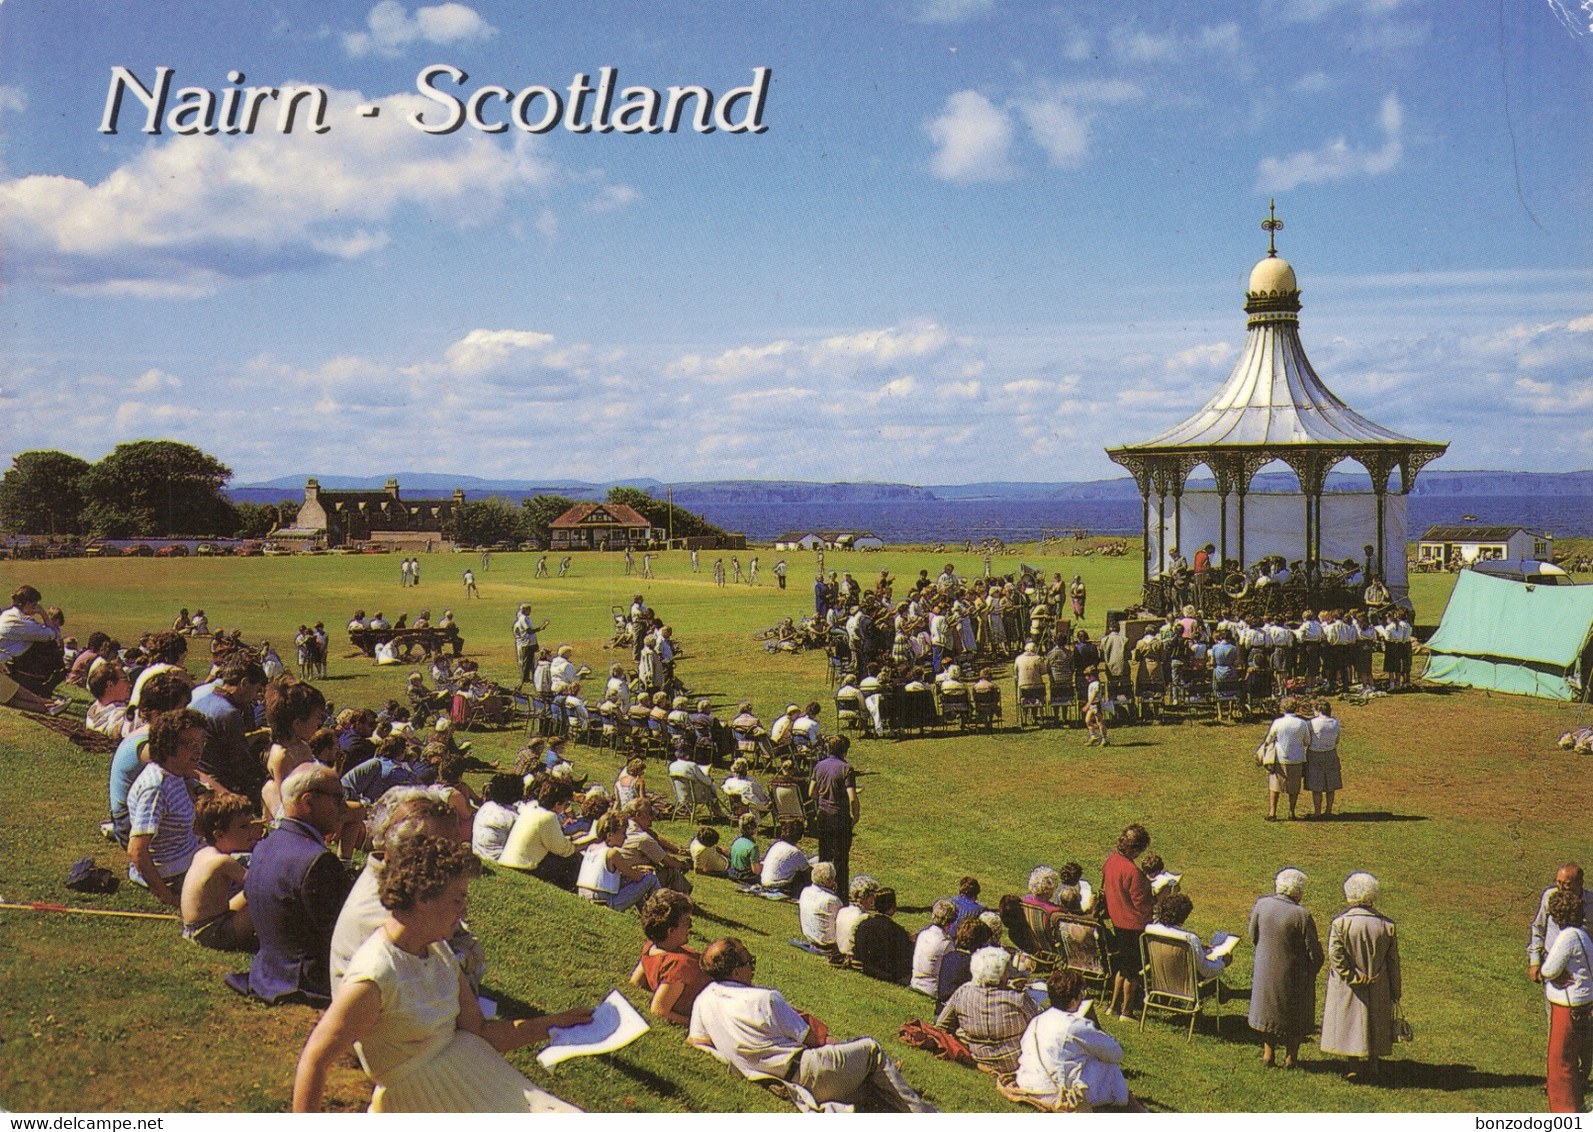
point(1523, 570)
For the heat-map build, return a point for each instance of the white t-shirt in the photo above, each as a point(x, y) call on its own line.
point(816, 909)
point(491, 829)
point(928, 951)
point(846, 921)
point(782, 862)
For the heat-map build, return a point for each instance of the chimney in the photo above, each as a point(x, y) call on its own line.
point(312, 489)
point(459, 495)
point(391, 487)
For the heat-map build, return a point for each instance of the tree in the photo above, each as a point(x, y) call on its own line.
point(157, 488)
point(540, 511)
point(41, 495)
point(482, 522)
point(662, 514)
point(257, 520)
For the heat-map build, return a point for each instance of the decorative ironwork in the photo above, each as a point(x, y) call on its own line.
point(1378, 465)
point(1272, 225)
point(1413, 462)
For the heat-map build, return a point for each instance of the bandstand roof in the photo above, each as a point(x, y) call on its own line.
point(1273, 405)
point(1274, 397)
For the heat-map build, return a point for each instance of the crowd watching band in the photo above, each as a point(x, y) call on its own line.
point(194, 769)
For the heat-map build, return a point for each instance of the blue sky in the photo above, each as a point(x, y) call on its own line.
point(977, 239)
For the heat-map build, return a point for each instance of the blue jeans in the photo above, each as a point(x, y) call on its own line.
point(632, 893)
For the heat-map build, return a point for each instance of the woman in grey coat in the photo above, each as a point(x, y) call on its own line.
point(1363, 979)
point(1288, 956)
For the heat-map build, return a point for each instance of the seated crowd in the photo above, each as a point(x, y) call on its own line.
point(242, 800)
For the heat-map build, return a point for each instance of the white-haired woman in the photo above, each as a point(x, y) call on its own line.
point(1288, 956)
point(1363, 979)
point(931, 946)
point(987, 1014)
point(748, 790)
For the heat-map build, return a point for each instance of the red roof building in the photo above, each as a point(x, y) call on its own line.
point(600, 526)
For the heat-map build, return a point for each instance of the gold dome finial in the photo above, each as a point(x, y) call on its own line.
point(1271, 225)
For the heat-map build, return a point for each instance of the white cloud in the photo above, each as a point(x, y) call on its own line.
point(953, 11)
point(1337, 159)
point(917, 402)
point(1132, 45)
point(972, 137)
point(12, 99)
point(154, 380)
point(1204, 357)
point(390, 29)
point(481, 350)
point(190, 214)
point(1310, 11)
point(1062, 131)
point(1313, 83)
point(611, 197)
point(739, 364)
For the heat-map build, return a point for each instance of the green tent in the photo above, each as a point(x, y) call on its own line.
point(1532, 640)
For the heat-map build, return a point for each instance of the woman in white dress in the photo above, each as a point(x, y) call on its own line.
point(409, 1013)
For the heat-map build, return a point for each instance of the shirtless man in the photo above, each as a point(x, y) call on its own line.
point(215, 911)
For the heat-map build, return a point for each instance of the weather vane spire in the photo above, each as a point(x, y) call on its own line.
point(1271, 225)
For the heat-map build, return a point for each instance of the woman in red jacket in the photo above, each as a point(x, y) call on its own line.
point(1127, 892)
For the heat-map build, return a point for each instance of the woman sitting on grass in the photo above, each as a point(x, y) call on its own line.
point(1064, 1050)
point(744, 864)
point(408, 1012)
point(293, 711)
point(668, 968)
point(987, 1014)
point(606, 877)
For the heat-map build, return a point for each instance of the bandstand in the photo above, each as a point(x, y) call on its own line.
point(1273, 407)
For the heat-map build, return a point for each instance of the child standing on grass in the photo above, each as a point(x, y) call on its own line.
point(744, 851)
point(1095, 709)
point(215, 912)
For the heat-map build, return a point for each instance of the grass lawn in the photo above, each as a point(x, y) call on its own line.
point(1461, 803)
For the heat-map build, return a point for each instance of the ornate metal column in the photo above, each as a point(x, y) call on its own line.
point(1380, 465)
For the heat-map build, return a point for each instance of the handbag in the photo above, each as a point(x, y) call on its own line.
point(1404, 1032)
point(1267, 755)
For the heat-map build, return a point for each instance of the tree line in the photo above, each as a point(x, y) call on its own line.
point(162, 489)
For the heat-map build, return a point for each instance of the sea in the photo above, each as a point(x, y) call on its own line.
point(1011, 521)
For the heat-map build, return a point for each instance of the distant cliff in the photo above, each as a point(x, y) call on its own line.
point(420, 485)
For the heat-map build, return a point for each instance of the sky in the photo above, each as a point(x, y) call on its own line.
point(972, 240)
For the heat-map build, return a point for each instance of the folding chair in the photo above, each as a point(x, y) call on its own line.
point(1226, 697)
point(1042, 943)
point(1083, 944)
point(892, 710)
point(522, 709)
point(788, 804)
point(1031, 703)
point(987, 707)
point(749, 747)
point(690, 796)
point(955, 707)
point(849, 712)
point(1172, 983)
point(1059, 698)
point(918, 710)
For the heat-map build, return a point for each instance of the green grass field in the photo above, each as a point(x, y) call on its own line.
point(1463, 808)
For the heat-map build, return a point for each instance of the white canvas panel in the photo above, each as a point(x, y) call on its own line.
point(1275, 524)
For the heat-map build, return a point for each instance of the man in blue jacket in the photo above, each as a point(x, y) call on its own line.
point(296, 887)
